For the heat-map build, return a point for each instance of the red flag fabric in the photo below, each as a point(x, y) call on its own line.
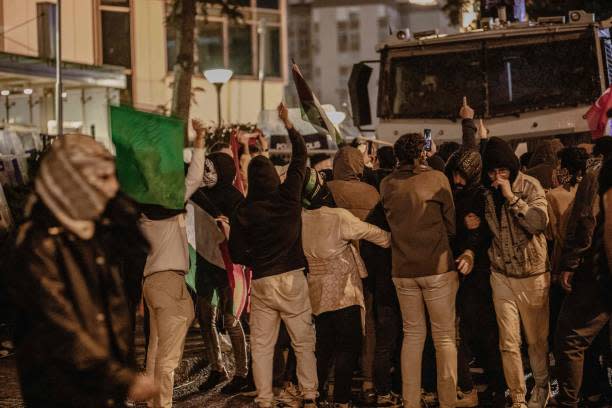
point(235, 145)
point(597, 115)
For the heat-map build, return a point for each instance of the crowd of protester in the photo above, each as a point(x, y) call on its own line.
point(354, 264)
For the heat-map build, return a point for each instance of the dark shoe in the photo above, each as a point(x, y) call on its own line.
point(308, 403)
point(249, 390)
point(215, 378)
point(236, 386)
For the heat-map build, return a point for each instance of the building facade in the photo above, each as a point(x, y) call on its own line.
point(134, 35)
point(326, 37)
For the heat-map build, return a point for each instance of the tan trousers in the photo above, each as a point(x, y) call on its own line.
point(274, 298)
point(522, 302)
point(171, 313)
point(437, 293)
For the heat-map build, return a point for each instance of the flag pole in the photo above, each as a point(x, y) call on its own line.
point(59, 108)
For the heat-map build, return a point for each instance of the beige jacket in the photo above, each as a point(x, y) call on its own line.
point(519, 246)
point(335, 267)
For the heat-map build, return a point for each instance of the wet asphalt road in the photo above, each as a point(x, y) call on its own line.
point(192, 372)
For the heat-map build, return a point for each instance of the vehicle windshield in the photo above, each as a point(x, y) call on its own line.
point(499, 77)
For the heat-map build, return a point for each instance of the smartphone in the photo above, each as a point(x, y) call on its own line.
point(427, 133)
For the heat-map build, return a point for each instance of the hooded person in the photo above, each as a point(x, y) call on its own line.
point(359, 198)
point(214, 203)
point(334, 279)
point(586, 310)
point(73, 325)
point(266, 235)
point(516, 213)
point(544, 162)
point(477, 324)
point(347, 188)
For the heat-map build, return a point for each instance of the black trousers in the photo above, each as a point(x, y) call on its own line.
point(339, 339)
point(478, 332)
point(389, 336)
point(585, 312)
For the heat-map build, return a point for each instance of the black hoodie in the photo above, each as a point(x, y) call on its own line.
point(266, 229)
point(222, 198)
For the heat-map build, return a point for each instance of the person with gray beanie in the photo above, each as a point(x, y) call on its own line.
point(423, 268)
point(73, 326)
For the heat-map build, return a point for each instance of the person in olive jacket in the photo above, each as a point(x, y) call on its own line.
point(73, 324)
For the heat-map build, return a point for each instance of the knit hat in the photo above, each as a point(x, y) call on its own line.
point(409, 147)
point(466, 162)
point(75, 181)
point(498, 154)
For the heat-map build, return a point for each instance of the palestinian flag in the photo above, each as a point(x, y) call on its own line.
point(210, 239)
point(311, 108)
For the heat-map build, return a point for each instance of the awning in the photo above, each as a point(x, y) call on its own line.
point(15, 70)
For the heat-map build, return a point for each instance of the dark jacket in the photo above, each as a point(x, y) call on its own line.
point(73, 326)
point(543, 163)
point(266, 231)
point(347, 188)
point(470, 199)
point(581, 223)
point(378, 261)
point(418, 203)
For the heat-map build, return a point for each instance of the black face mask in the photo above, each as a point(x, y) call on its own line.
point(327, 174)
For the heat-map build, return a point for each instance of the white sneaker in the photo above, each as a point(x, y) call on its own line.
point(469, 399)
point(539, 397)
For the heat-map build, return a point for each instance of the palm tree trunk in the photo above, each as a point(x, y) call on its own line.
point(184, 66)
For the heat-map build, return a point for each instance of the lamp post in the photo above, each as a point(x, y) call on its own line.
point(218, 77)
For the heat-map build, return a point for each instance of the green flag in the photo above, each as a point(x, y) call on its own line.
point(149, 156)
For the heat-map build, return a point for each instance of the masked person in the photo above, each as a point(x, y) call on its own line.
point(586, 309)
point(266, 235)
point(516, 212)
point(219, 198)
point(168, 300)
point(73, 325)
point(335, 270)
point(423, 266)
point(475, 312)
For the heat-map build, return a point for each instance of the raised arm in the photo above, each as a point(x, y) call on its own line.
point(292, 187)
point(196, 168)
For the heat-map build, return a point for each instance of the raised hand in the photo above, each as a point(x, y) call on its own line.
point(466, 112)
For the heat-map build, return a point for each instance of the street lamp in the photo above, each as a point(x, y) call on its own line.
point(218, 77)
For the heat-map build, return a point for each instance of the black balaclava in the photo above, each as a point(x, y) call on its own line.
point(263, 178)
point(315, 193)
